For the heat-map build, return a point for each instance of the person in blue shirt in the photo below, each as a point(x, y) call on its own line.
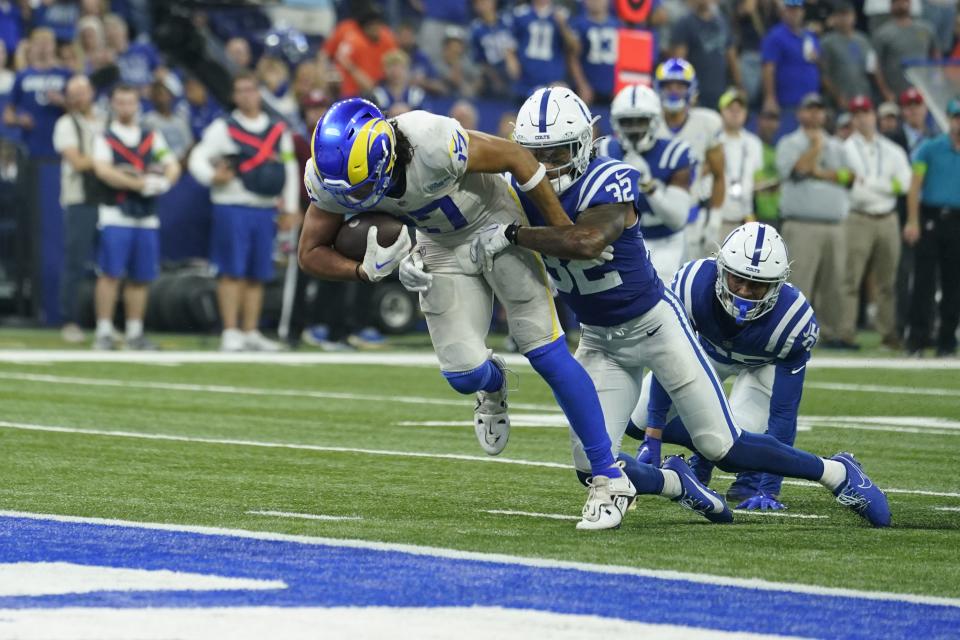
point(11, 24)
point(598, 32)
point(422, 71)
point(544, 42)
point(138, 61)
point(396, 92)
point(60, 16)
point(493, 49)
point(201, 108)
point(37, 98)
point(631, 322)
point(764, 344)
point(790, 55)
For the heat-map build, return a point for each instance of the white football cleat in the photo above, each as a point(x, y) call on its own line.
point(607, 501)
point(491, 422)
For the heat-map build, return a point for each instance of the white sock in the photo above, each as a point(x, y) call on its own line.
point(104, 328)
point(834, 474)
point(134, 329)
point(671, 484)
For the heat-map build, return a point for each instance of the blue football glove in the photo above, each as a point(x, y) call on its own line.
point(761, 502)
point(649, 451)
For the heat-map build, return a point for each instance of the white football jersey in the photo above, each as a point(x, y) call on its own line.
point(441, 198)
point(702, 132)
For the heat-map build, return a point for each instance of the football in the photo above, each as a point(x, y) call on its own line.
point(351, 240)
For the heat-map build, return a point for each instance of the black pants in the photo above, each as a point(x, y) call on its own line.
point(343, 306)
point(937, 250)
point(80, 239)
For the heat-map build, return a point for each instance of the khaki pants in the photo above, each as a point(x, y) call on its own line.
point(873, 242)
point(818, 257)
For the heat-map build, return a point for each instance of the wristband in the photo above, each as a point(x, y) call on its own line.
point(844, 176)
point(510, 233)
point(534, 179)
point(897, 187)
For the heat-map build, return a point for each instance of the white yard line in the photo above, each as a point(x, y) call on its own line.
point(814, 485)
point(954, 394)
point(304, 516)
point(530, 514)
point(778, 514)
point(749, 583)
point(947, 508)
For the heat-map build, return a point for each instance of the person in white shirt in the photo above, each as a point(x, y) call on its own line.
point(134, 165)
point(873, 233)
point(73, 136)
point(248, 160)
point(743, 157)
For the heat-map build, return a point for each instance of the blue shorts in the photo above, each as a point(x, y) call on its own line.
point(130, 252)
point(242, 242)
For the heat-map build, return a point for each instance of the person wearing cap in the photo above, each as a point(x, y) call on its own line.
point(882, 173)
point(888, 121)
point(933, 226)
point(916, 125)
point(814, 202)
point(743, 157)
point(849, 61)
point(902, 38)
point(172, 123)
point(844, 127)
point(791, 55)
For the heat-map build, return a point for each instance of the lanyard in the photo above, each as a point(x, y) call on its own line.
point(863, 155)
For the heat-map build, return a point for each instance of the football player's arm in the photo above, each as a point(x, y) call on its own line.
point(672, 202)
point(316, 254)
point(784, 404)
point(491, 154)
point(595, 229)
point(716, 166)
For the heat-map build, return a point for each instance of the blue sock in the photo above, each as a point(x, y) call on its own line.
point(676, 433)
point(574, 391)
point(486, 377)
point(634, 431)
point(760, 452)
point(645, 478)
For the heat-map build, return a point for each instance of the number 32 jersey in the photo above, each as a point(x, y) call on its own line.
point(441, 199)
point(627, 286)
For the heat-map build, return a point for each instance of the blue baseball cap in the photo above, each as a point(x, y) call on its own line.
point(953, 107)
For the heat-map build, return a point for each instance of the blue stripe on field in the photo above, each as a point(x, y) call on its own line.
point(327, 576)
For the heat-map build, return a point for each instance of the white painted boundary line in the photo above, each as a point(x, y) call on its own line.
point(947, 508)
point(304, 516)
point(877, 388)
point(530, 514)
point(778, 514)
point(748, 583)
point(814, 485)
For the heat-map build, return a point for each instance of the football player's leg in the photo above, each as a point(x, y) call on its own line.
point(520, 282)
point(750, 403)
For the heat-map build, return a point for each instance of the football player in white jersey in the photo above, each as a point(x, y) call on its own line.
point(676, 82)
point(434, 175)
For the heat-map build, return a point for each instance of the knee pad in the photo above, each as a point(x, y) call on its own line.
point(470, 381)
point(712, 446)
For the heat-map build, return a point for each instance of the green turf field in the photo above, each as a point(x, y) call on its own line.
point(223, 455)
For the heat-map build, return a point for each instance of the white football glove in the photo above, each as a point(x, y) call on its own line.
point(605, 256)
point(412, 276)
point(488, 242)
point(379, 262)
point(154, 185)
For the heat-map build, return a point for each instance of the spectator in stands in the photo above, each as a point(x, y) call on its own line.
point(58, 15)
point(901, 39)
point(888, 114)
point(315, 18)
point(172, 123)
point(201, 108)
point(882, 173)
point(11, 23)
point(942, 16)
point(849, 61)
point(597, 31)
point(916, 125)
point(751, 22)
point(465, 113)
point(933, 226)
point(766, 185)
point(544, 41)
point(703, 37)
point(878, 13)
point(396, 88)
point(138, 61)
point(743, 157)
point(790, 64)
point(238, 53)
point(94, 53)
point(357, 47)
point(844, 127)
point(37, 97)
point(494, 50)
point(95, 8)
point(73, 136)
point(135, 165)
point(422, 72)
point(274, 76)
point(814, 202)
point(458, 74)
point(438, 17)
point(307, 78)
point(248, 160)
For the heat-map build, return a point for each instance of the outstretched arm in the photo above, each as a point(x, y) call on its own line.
point(595, 228)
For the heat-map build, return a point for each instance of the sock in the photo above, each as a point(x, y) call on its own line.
point(634, 431)
point(568, 380)
point(104, 328)
point(646, 479)
point(671, 484)
point(134, 329)
point(760, 452)
point(486, 377)
point(834, 474)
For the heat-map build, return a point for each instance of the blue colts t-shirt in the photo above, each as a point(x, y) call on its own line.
point(539, 48)
point(795, 60)
point(30, 94)
point(598, 46)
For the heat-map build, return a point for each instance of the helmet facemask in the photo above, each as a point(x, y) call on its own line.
point(565, 161)
point(636, 132)
point(746, 309)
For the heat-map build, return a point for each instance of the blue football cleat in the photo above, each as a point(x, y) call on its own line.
point(695, 496)
point(860, 494)
point(702, 468)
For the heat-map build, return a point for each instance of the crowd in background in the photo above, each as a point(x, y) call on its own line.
point(799, 68)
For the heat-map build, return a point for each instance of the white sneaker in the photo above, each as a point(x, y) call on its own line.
point(607, 501)
point(256, 341)
point(72, 333)
point(231, 340)
point(491, 422)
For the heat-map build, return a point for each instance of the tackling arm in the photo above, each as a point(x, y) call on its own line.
point(595, 229)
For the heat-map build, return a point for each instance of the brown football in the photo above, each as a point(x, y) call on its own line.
point(351, 240)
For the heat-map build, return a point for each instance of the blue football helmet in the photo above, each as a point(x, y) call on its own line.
point(676, 70)
point(354, 151)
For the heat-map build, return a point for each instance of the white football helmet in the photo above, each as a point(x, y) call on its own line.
point(557, 127)
point(635, 116)
point(753, 251)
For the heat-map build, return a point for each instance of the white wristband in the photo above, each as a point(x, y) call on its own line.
point(534, 180)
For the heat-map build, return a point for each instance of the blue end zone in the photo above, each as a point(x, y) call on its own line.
point(325, 576)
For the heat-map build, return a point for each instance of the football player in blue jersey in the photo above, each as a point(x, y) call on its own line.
point(545, 44)
point(666, 169)
point(754, 325)
point(598, 31)
point(631, 321)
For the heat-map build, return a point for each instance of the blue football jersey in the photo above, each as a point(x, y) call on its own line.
point(539, 48)
point(598, 51)
point(490, 43)
point(665, 158)
point(785, 334)
point(619, 290)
